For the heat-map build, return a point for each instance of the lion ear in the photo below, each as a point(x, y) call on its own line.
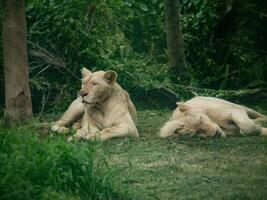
point(182, 107)
point(179, 103)
point(85, 72)
point(110, 76)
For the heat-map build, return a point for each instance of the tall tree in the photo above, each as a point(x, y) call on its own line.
point(18, 105)
point(174, 36)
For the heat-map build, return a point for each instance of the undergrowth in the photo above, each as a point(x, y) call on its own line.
point(51, 168)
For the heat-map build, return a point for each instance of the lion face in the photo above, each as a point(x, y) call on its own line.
point(97, 87)
point(194, 123)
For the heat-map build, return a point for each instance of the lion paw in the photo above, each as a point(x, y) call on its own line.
point(80, 134)
point(94, 136)
point(70, 139)
point(76, 126)
point(60, 129)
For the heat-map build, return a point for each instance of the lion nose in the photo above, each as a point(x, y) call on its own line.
point(83, 93)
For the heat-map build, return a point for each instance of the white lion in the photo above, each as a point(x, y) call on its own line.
point(104, 110)
point(207, 117)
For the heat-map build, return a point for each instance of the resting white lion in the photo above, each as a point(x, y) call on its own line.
point(104, 109)
point(207, 117)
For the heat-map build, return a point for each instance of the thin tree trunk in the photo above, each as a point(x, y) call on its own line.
point(175, 45)
point(18, 105)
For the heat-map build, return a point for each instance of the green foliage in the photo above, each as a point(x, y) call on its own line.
point(224, 44)
point(225, 48)
point(50, 169)
point(105, 41)
point(2, 96)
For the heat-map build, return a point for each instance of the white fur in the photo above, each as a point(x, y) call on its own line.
point(169, 128)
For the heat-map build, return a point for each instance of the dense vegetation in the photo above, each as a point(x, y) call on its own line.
point(50, 169)
point(224, 42)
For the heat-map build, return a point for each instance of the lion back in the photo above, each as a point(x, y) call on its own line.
point(131, 107)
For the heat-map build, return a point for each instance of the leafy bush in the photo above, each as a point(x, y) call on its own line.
point(50, 169)
point(66, 36)
point(224, 47)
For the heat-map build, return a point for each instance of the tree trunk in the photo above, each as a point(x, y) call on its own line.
point(18, 105)
point(175, 45)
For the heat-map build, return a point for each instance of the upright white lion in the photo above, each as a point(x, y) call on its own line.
point(104, 110)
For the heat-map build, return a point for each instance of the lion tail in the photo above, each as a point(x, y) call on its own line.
point(169, 128)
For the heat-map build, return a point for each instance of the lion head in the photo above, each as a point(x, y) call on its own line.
point(192, 122)
point(97, 86)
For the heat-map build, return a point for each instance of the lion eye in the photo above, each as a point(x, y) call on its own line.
point(94, 83)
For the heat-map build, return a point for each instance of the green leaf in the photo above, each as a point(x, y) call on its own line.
point(144, 7)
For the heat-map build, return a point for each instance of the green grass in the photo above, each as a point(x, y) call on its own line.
point(188, 168)
point(34, 168)
point(145, 168)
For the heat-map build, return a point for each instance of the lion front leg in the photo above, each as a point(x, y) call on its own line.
point(87, 129)
point(84, 134)
point(121, 130)
point(73, 114)
point(169, 128)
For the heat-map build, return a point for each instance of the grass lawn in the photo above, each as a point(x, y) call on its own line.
point(188, 168)
point(147, 168)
